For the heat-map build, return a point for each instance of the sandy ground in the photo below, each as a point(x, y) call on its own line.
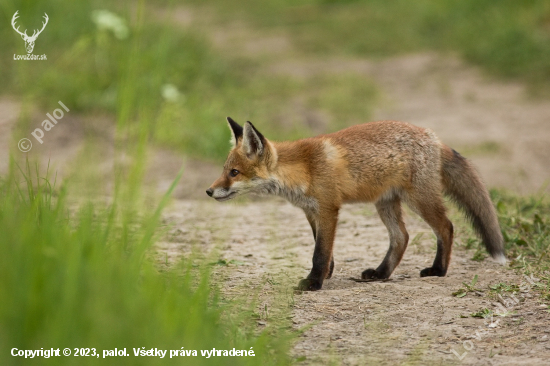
point(407, 320)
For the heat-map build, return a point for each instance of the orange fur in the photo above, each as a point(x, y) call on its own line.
point(384, 162)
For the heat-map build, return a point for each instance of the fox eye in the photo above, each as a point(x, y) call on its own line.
point(234, 172)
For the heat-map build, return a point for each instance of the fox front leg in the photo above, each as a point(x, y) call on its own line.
point(323, 264)
point(311, 219)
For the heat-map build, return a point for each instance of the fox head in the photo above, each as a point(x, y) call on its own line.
point(247, 168)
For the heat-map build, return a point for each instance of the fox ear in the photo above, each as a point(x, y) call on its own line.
point(253, 141)
point(236, 131)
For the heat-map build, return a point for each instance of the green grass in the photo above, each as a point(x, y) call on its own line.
point(468, 287)
point(281, 108)
point(508, 38)
point(482, 313)
point(94, 72)
point(85, 278)
point(525, 224)
point(78, 273)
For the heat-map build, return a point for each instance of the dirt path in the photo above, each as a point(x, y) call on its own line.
point(407, 320)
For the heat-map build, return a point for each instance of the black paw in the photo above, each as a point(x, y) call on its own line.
point(308, 284)
point(372, 274)
point(431, 271)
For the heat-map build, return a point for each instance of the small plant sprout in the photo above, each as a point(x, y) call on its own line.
point(468, 287)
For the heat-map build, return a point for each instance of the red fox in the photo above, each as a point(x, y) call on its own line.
point(385, 162)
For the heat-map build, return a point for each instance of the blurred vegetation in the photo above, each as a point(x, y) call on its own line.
point(86, 278)
point(508, 38)
point(170, 77)
point(84, 274)
point(184, 88)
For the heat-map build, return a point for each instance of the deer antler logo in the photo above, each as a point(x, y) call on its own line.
point(29, 41)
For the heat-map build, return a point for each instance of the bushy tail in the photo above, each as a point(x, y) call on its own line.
point(462, 183)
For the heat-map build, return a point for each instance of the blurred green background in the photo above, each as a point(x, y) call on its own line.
point(95, 72)
point(164, 74)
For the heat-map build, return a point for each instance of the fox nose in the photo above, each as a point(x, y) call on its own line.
point(210, 192)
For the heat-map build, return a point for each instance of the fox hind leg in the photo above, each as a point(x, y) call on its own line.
point(433, 211)
point(392, 217)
